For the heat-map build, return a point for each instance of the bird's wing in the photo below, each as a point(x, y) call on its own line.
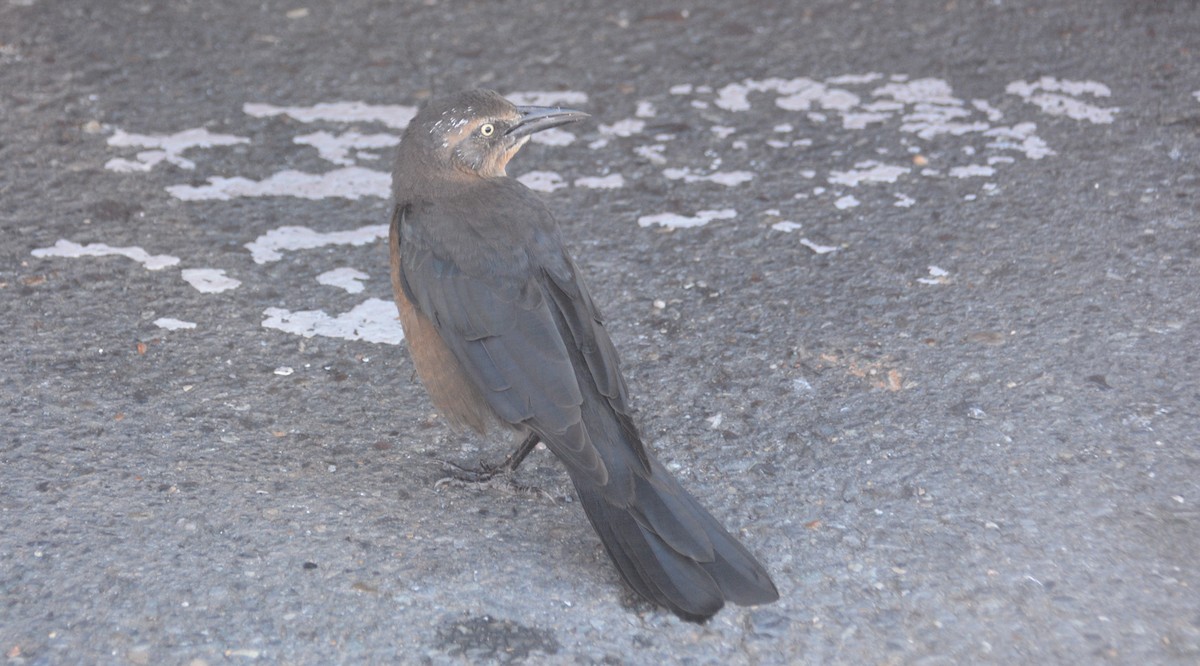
point(507, 311)
point(583, 326)
point(570, 296)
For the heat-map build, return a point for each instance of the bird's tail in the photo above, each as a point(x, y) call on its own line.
point(665, 545)
point(668, 548)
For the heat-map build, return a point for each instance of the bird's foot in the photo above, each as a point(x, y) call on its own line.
point(485, 473)
point(482, 474)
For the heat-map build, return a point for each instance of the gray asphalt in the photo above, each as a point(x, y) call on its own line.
point(963, 431)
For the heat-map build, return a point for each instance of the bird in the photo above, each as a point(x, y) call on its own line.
point(503, 333)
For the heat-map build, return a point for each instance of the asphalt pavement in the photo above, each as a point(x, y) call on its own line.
point(906, 292)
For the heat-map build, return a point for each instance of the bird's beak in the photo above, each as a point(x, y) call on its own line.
point(538, 118)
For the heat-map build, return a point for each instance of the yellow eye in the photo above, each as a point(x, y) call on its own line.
point(487, 129)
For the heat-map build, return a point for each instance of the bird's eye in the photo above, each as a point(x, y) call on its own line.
point(487, 129)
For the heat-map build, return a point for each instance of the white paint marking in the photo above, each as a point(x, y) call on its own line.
point(553, 137)
point(172, 324)
point(993, 114)
point(868, 172)
point(845, 202)
point(819, 249)
point(883, 105)
point(727, 178)
point(1062, 105)
point(336, 148)
point(146, 160)
point(786, 226)
point(798, 94)
point(854, 79)
point(267, 247)
point(919, 91)
point(209, 280)
point(1019, 137)
point(349, 279)
point(931, 120)
point(542, 181)
point(395, 116)
point(803, 94)
point(69, 249)
point(347, 182)
point(1051, 84)
point(903, 200)
point(610, 182)
point(169, 147)
point(858, 121)
point(373, 320)
point(1061, 98)
point(626, 127)
point(936, 276)
point(653, 153)
point(673, 221)
point(645, 110)
point(971, 171)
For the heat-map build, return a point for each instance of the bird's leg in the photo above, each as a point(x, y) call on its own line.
point(487, 472)
point(515, 458)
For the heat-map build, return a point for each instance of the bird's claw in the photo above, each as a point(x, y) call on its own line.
point(484, 473)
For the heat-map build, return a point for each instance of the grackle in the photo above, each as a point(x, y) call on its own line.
point(502, 332)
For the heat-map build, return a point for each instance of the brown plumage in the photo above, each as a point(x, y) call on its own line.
point(502, 331)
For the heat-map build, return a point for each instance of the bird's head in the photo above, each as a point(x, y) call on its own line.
point(477, 132)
